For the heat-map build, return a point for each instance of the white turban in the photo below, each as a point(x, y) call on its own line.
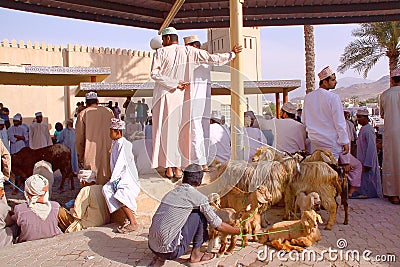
point(37, 195)
point(87, 176)
point(37, 114)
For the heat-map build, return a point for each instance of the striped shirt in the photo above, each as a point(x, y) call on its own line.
point(173, 212)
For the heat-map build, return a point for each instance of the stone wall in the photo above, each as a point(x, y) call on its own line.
point(126, 66)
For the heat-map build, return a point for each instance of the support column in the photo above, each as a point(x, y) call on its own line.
point(238, 102)
point(285, 96)
point(278, 105)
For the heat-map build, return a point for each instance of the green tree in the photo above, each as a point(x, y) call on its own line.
point(375, 40)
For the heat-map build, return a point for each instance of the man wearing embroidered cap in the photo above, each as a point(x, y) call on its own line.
point(39, 135)
point(17, 135)
point(123, 188)
point(324, 120)
point(172, 74)
point(90, 208)
point(93, 143)
point(371, 185)
point(390, 111)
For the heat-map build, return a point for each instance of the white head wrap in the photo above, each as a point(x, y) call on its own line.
point(117, 124)
point(2, 121)
point(37, 195)
point(17, 117)
point(37, 114)
point(87, 176)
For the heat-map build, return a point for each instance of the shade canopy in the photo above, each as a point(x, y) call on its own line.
point(200, 14)
point(51, 76)
point(217, 88)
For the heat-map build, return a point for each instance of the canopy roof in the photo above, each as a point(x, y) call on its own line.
point(217, 88)
point(51, 76)
point(196, 14)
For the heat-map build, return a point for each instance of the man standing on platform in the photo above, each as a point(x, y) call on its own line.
point(390, 111)
point(200, 103)
point(39, 135)
point(93, 142)
point(323, 117)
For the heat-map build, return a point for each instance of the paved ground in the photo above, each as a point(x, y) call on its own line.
point(373, 226)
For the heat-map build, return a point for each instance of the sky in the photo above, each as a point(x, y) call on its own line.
point(282, 47)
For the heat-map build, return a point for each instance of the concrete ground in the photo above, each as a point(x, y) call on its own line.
point(372, 232)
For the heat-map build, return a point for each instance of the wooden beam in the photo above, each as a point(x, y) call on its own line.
point(174, 9)
point(278, 105)
point(238, 102)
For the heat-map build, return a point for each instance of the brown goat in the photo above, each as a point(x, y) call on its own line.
point(58, 155)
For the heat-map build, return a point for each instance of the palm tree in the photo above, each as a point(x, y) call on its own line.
point(310, 57)
point(375, 40)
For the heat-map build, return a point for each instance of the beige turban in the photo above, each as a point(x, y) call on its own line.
point(87, 176)
point(191, 39)
point(289, 108)
point(37, 195)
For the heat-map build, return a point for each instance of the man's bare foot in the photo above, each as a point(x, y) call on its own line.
point(128, 228)
point(206, 256)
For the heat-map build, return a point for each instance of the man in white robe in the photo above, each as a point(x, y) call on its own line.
point(323, 117)
point(4, 135)
point(254, 137)
point(39, 135)
point(390, 111)
point(17, 135)
point(172, 71)
point(289, 134)
point(220, 142)
point(123, 188)
point(199, 105)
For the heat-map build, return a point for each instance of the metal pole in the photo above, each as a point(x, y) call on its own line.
point(238, 102)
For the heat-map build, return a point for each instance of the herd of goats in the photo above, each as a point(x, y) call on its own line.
point(303, 181)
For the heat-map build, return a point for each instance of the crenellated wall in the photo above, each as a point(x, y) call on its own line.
point(126, 65)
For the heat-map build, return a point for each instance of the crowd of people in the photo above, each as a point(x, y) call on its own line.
point(182, 138)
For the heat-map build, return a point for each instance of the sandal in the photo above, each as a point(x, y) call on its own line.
point(206, 257)
point(357, 195)
point(394, 200)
